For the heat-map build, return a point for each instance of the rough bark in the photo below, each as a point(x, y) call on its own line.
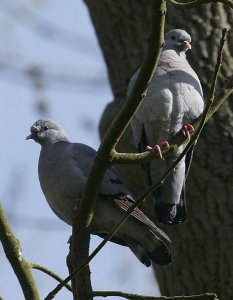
point(203, 246)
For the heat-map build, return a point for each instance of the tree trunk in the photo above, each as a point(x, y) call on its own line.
point(203, 246)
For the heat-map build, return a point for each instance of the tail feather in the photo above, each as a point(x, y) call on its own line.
point(162, 258)
point(159, 254)
point(170, 206)
point(138, 251)
point(171, 214)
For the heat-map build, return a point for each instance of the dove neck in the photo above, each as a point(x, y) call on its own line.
point(174, 51)
point(54, 140)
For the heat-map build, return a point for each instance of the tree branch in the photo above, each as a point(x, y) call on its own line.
point(50, 273)
point(195, 3)
point(13, 253)
point(141, 297)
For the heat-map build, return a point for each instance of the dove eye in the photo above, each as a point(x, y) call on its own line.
point(45, 128)
point(173, 37)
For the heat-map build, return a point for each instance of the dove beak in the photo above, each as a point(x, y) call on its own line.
point(29, 137)
point(186, 45)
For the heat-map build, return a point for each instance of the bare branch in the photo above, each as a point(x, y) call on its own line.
point(50, 273)
point(13, 253)
point(195, 3)
point(141, 297)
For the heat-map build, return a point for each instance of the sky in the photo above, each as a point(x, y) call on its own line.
point(51, 66)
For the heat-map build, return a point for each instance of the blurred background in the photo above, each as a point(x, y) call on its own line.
point(51, 66)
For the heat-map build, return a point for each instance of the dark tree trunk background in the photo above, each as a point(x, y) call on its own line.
point(203, 246)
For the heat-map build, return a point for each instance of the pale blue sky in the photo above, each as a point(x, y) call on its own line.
point(71, 52)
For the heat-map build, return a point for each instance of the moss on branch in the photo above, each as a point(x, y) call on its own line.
point(14, 255)
point(206, 296)
point(196, 3)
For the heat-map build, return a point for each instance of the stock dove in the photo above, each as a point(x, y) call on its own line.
point(174, 99)
point(63, 170)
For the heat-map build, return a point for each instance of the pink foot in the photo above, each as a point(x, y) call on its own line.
point(186, 129)
point(165, 144)
point(156, 149)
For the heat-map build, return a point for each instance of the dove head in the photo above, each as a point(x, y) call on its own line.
point(47, 132)
point(178, 40)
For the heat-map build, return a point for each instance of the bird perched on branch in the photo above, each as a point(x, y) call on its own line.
point(174, 99)
point(63, 171)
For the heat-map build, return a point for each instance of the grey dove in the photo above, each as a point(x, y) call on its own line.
point(174, 99)
point(63, 170)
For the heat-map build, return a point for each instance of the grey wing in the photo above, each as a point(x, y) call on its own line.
point(137, 127)
point(132, 82)
point(177, 177)
point(125, 202)
point(181, 214)
point(138, 130)
point(113, 186)
point(140, 138)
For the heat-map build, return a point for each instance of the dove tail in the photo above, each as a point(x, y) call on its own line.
point(139, 252)
point(171, 214)
point(159, 254)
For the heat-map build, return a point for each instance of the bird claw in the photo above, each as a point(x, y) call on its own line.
point(156, 149)
point(165, 144)
point(186, 129)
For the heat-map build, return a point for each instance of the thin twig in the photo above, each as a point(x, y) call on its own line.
point(14, 254)
point(206, 296)
point(218, 65)
point(50, 273)
point(196, 3)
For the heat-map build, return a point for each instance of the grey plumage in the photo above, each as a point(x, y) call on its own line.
point(63, 171)
point(174, 98)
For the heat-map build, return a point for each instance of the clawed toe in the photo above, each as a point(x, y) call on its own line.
point(156, 149)
point(186, 130)
point(165, 144)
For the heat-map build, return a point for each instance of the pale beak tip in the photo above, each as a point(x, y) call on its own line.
point(187, 45)
point(29, 137)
